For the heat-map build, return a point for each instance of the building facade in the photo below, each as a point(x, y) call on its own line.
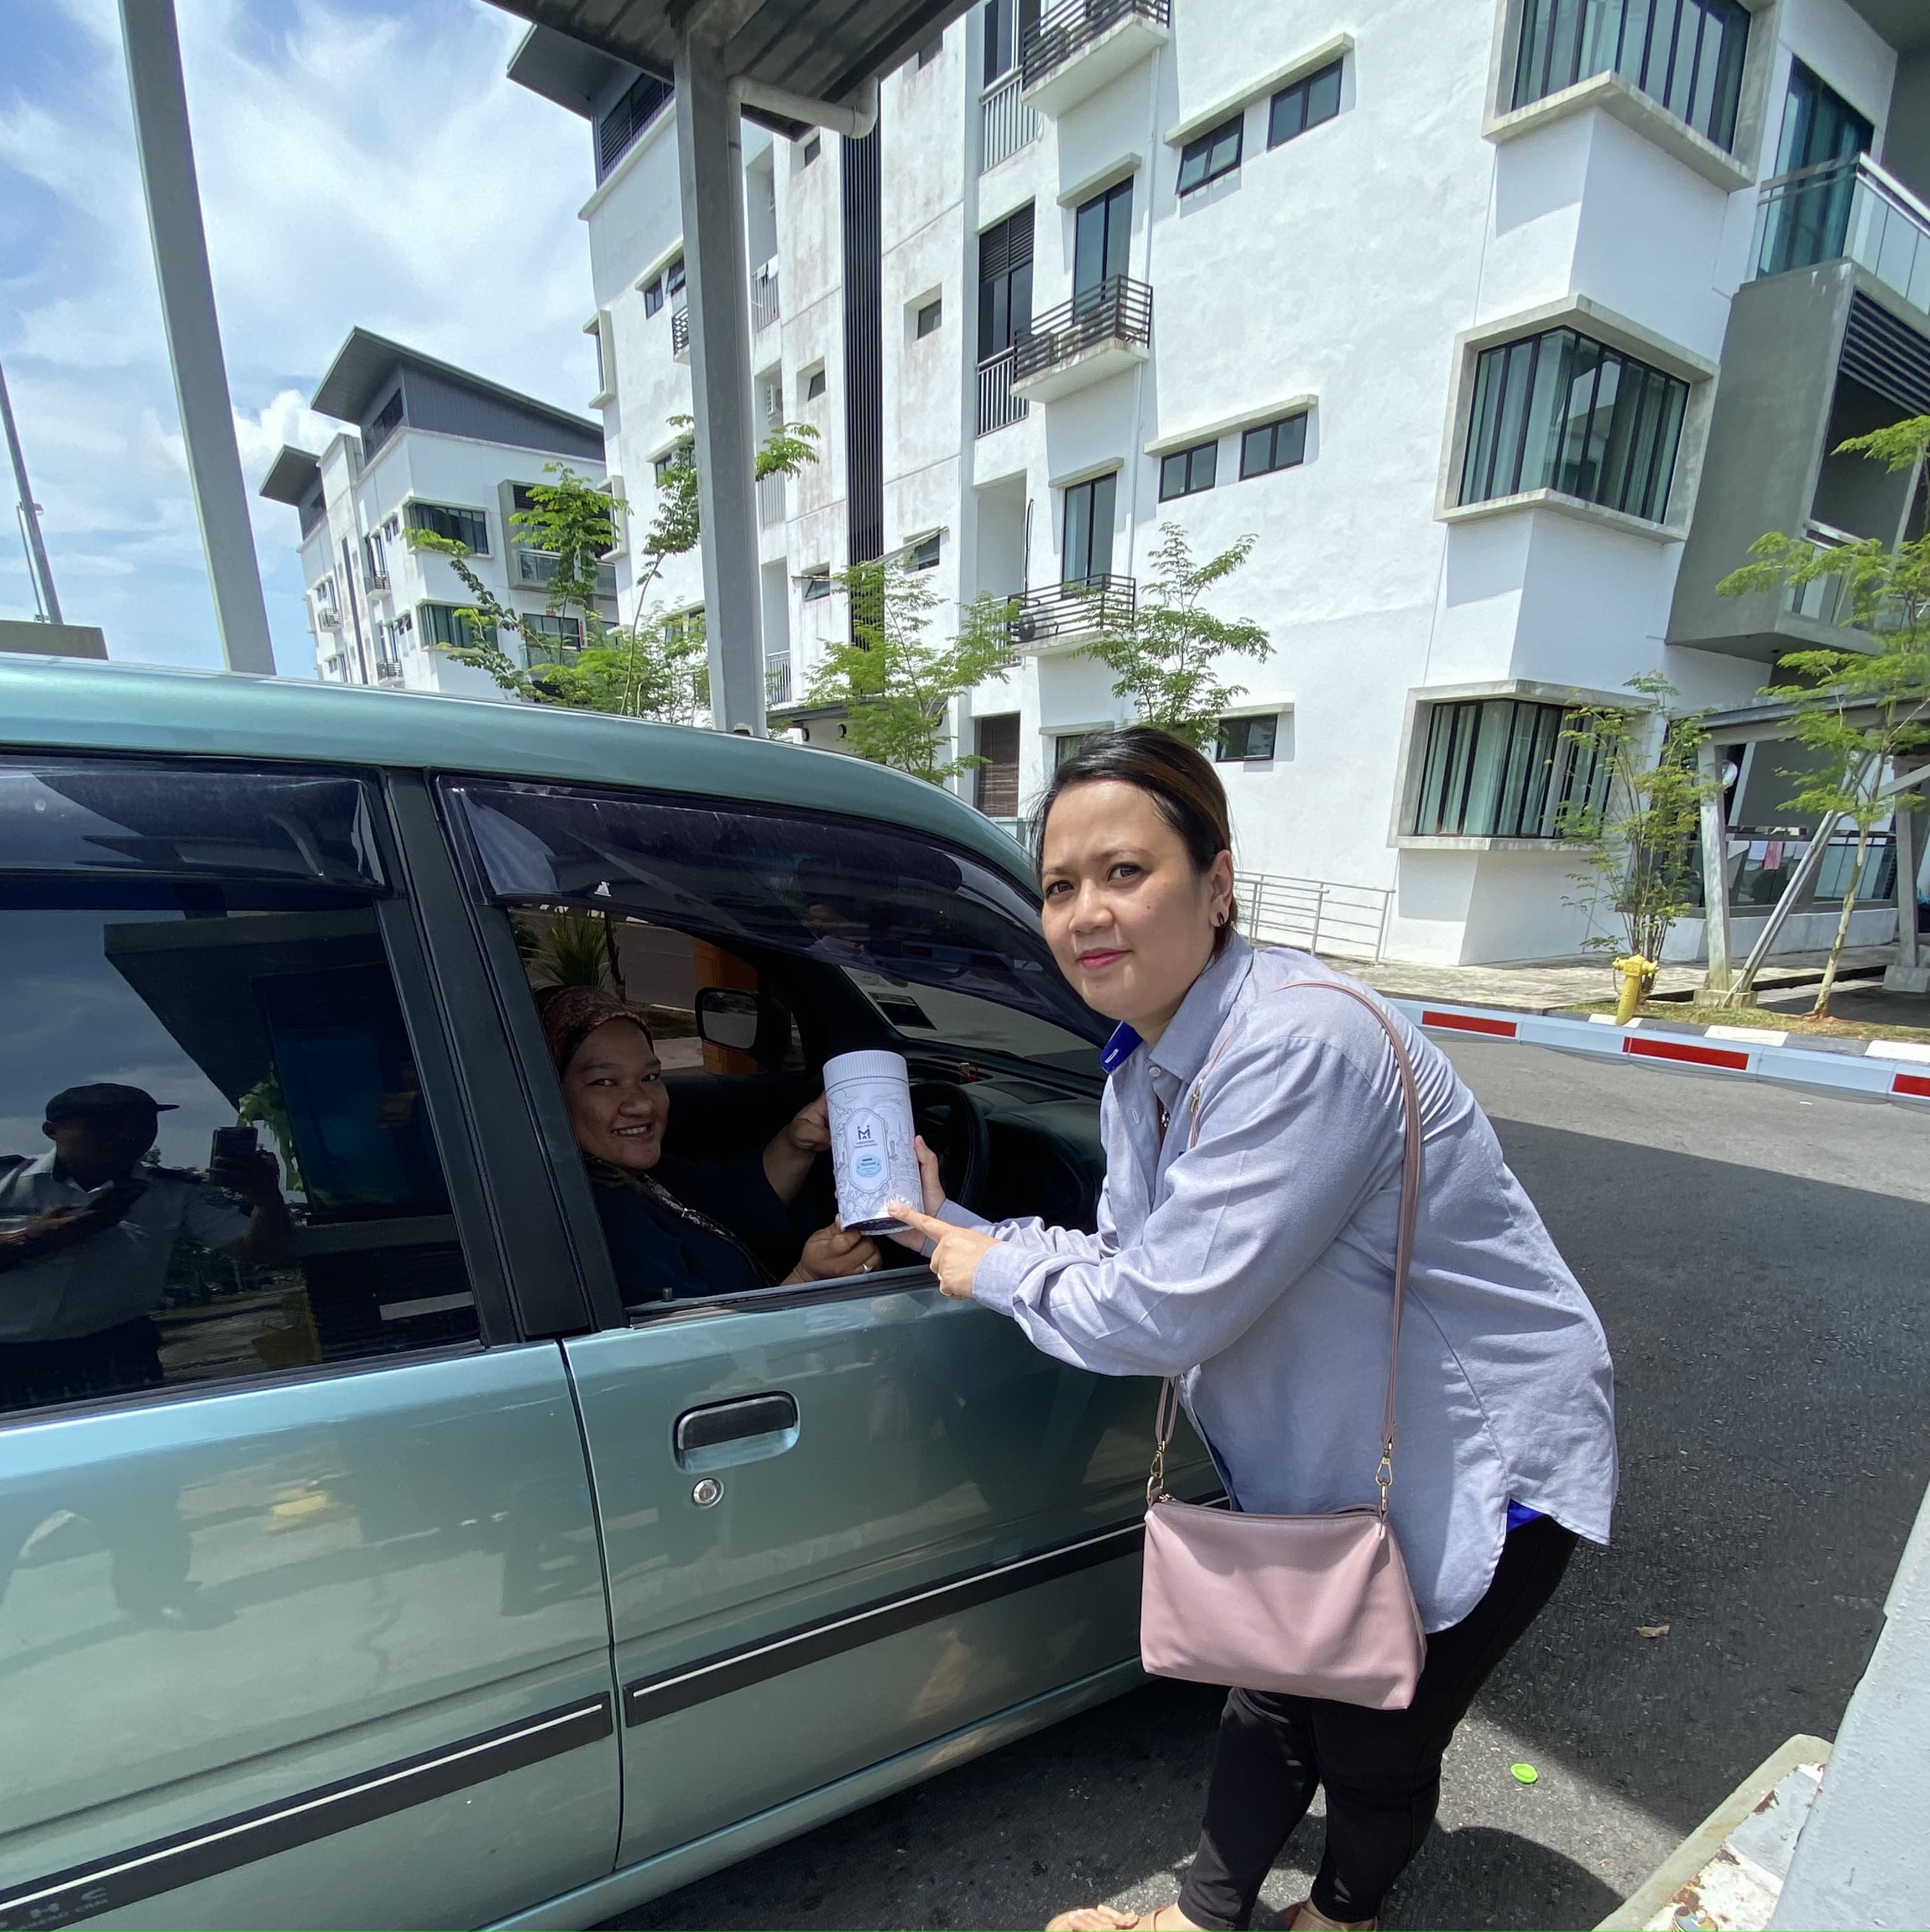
point(1503, 327)
point(425, 446)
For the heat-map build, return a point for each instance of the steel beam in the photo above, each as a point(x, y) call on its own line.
point(167, 150)
point(709, 160)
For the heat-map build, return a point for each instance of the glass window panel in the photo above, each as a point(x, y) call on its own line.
point(1542, 432)
point(1668, 433)
point(1287, 116)
point(1631, 388)
point(1638, 22)
point(1323, 95)
point(1584, 369)
point(1484, 425)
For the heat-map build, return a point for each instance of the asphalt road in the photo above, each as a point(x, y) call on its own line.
point(1759, 1260)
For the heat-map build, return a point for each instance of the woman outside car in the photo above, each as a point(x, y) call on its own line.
point(1254, 1135)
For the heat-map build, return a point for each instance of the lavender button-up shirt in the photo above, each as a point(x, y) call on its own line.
point(1257, 1265)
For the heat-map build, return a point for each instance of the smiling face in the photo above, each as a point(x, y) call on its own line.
point(1129, 920)
point(613, 1089)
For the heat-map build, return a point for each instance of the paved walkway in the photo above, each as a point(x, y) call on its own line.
point(1548, 986)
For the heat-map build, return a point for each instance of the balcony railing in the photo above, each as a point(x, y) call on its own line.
point(765, 307)
point(1084, 609)
point(679, 331)
point(1848, 208)
point(1117, 309)
point(777, 680)
point(770, 500)
point(998, 407)
point(328, 615)
point(1348, 922)
point(1005, 123)
point(1063, 31)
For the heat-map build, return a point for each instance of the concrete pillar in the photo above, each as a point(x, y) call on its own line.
point(1714, 869)
point(166, 152)
point(709, 162)
point(1910, 974)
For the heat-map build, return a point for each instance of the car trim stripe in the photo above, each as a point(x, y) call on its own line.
point(85, 1891)
point(678, 1689)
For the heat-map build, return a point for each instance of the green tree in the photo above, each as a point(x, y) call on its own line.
point(657, 666)
point(1165, 657)
point(1860, 709)
point(1637, 827)
point(896, 682)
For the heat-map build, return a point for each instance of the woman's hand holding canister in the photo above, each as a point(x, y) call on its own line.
point(833, 1252)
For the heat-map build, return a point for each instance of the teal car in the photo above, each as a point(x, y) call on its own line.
point(375, 1549)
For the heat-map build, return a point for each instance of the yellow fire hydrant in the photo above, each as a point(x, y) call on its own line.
point(1638, 975)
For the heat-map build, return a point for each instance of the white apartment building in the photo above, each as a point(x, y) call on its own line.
point(427, 446)
point(1504, 325)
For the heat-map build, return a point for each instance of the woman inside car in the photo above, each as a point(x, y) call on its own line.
point(677, 1227)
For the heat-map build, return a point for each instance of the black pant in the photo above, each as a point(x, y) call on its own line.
point(1382, 1769)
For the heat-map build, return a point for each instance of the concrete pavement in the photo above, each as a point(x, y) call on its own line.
point(1758, 1257)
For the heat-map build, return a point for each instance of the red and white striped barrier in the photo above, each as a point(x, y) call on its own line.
point(1871, 1075)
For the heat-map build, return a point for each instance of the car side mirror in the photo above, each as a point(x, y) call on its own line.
point(743, 1022)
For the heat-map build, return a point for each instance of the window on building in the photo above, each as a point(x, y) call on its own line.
point(550, 639)
point(470, 528)
point(1502, 768)
point(1006, 24)
point(1305, 104)
point(1186, 472)
point(383, 425)
point(684, 627)
point(1004, 283)
point(1213, 153)
point(931, 50)
point(324, 595)
point(1810, 223)
point(645, 98)
point(653, 294)
point(375, 561)
point(682, 457)
point(312, 512)
point(595, 332)
point(442, 624)
point(1239, 739)
point(814, 146)
point(1560, 411)
point(923, 555)
point(205, 1017)
point(1686, 54)
point(673, 277)
point(1273, 446)
point(996, 740)
point(1087, 557)
point(931, 318)
point(817, 584)
point(814, 383)
point(1818, 124)
point(1069, 745)
point(1101, 231)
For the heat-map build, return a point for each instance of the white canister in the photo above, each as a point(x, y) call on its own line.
point(871, 1153)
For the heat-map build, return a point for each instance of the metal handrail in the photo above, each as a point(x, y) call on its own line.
point(1316, 915)
point(1847, 208)
point(1117, 309)
point(679, 331)
point(765, 306)
point(998, 407)
point(1005, 123)
point(1076, 609)
point(1063, 31)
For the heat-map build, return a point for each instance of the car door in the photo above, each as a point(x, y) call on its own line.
point(302, 1614)
point(844, 1520)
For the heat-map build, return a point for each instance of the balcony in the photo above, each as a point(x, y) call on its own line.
point(765, 307)
point(998, 407)
point(679, 334)
point(328, 616)
point(1101, 332)
point(770, 500)
point(777, 679)
point(1071, 613)
point(1005, 123)
point(1846, 210)
point(536, 568)
point(1078, 45)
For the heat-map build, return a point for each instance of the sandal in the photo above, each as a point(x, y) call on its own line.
point(1105, 1918)
point(1306, 1916)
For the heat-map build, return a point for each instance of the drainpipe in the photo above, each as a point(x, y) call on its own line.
point(853, 122)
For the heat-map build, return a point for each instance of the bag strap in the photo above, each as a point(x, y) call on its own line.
point(1168, 1413)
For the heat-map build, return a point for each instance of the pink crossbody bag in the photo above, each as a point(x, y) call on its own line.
point(1314, 1606)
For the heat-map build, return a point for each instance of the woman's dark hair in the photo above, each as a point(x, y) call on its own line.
point(1181, 783)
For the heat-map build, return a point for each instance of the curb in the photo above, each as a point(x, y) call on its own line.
point(1895, 1071)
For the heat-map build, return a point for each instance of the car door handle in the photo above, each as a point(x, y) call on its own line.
point(721, 1433)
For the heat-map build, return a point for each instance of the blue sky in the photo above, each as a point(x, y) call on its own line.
point(362, 162)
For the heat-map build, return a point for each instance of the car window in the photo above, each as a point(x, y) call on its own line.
point(215, 1159)
point(694, 968)
point(896, 914)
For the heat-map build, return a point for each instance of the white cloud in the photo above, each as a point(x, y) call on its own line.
point(356, 167)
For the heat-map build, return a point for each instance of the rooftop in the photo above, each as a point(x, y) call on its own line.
point(365, 360)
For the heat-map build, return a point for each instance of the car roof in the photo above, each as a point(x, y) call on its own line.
point(70, 705)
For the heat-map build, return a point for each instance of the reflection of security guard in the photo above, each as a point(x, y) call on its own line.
point(86, 1236)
